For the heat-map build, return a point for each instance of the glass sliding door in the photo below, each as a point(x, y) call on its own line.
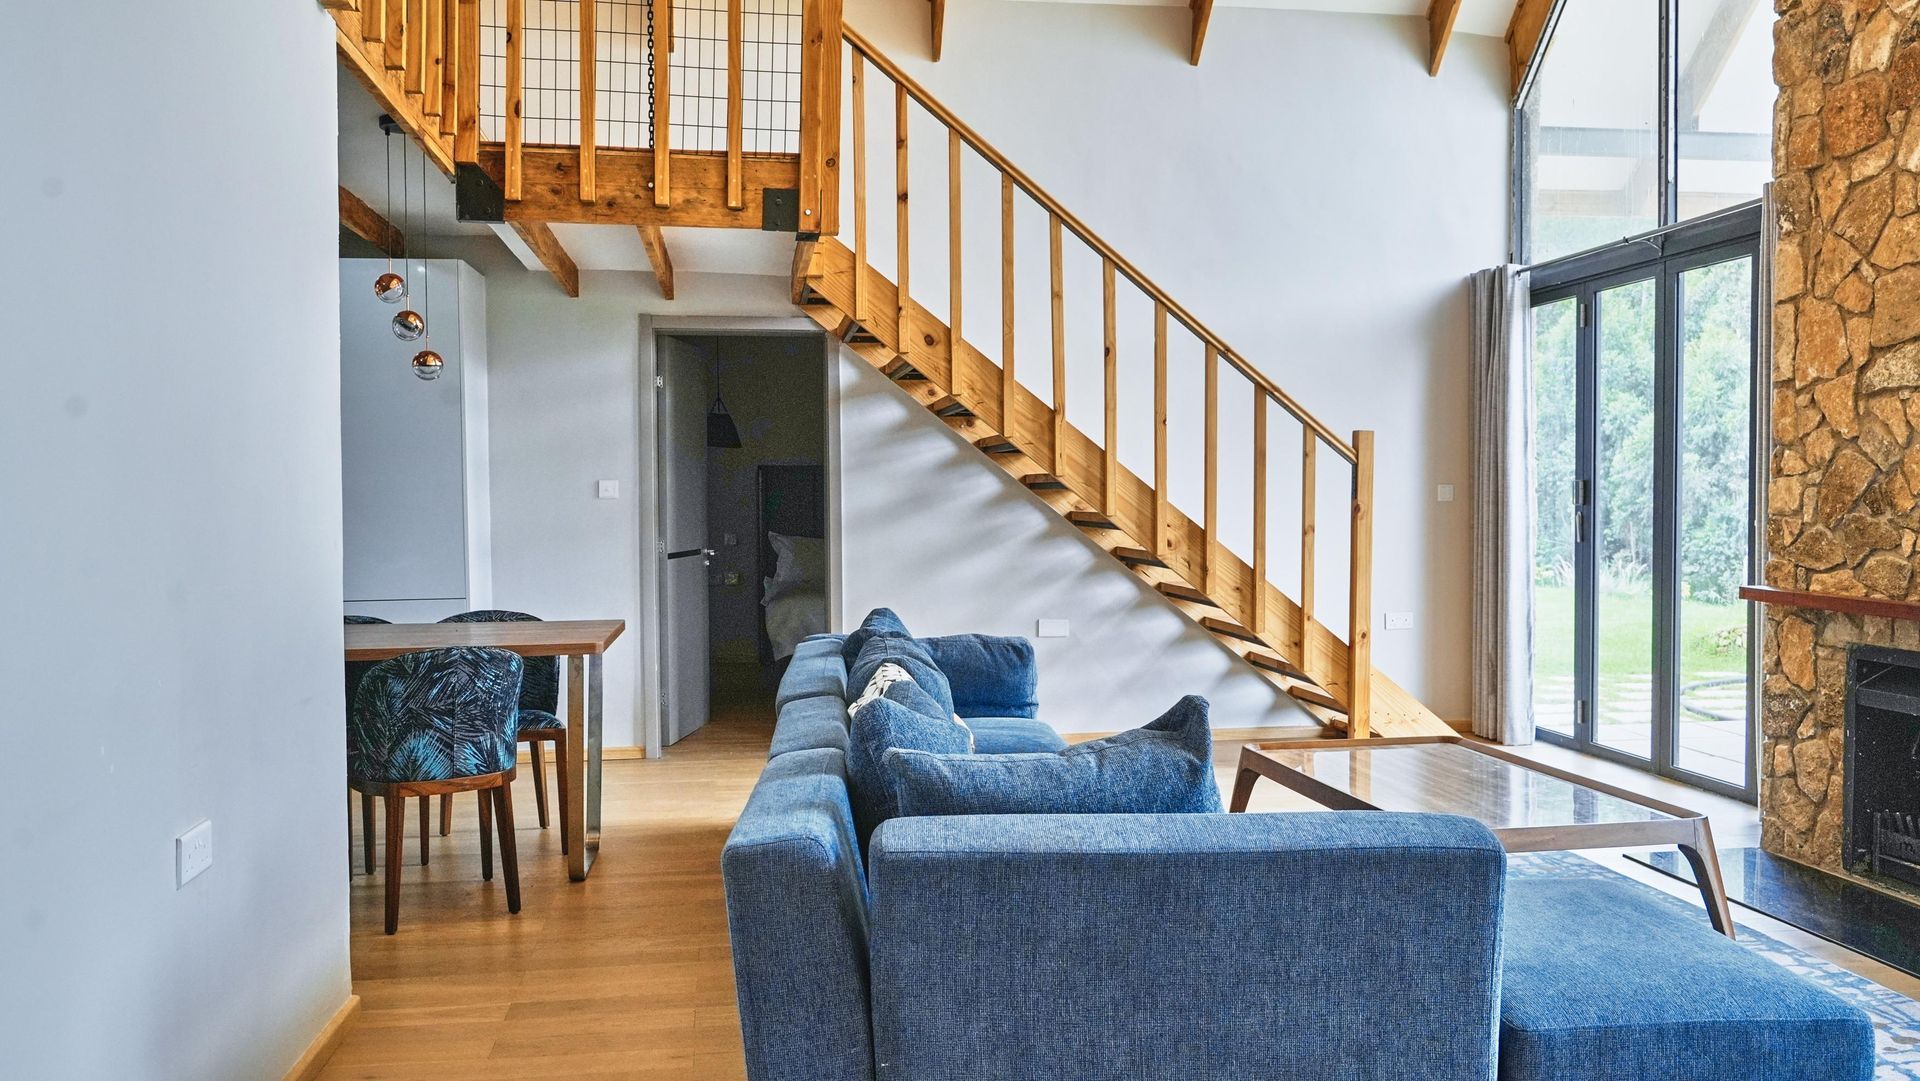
point(1644, 471)
point(1556, 448)
point(1714, 512)
point(1623, 703)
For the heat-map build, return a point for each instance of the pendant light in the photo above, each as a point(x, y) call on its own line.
point(721, 430)
point(389, 286)
point(409, 325)
point(426, 363)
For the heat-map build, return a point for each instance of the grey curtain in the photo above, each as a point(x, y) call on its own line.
point(1502, 506)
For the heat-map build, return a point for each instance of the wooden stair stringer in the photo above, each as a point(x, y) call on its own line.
point(972, 380)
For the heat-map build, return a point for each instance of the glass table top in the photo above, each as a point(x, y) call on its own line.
point(1447, 778)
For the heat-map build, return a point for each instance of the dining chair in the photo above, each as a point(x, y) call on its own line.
point(436, 722)
point(540, 721)
point(356, 670)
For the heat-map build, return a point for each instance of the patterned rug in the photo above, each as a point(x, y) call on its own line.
point(1896, 1018)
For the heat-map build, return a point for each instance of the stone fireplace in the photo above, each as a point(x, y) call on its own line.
point(1882, 836)
point(1844, 480)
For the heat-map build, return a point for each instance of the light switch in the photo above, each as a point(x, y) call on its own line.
point(729, 540)
point(1444, 493)
point(609, 489)
point(1051, 628)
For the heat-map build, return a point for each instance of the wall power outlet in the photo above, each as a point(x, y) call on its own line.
point(1399, 621)
point(192, 853)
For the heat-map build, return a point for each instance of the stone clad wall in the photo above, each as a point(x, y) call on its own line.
point(1845, 464)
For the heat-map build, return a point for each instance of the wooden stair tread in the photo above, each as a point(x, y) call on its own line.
point(1046, 482)
point(1138, 557)
point(1317, 697)
point(1091, 519)
point(995, 444)
point(1271, 663)
point(1182, 592)
point(1229, 629)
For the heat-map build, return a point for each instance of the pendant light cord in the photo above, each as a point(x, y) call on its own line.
point(426, 280)
point(388, 146)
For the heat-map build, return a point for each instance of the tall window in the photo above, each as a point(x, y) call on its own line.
point(1642, 113)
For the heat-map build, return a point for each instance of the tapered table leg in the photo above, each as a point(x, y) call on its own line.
point(1705, 862)
point(1243, 784)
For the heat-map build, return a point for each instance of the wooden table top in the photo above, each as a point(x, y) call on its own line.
point(545, 638)
point(1453, 775)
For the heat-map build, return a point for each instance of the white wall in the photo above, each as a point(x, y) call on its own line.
point(1308, 191)
point(170, 547)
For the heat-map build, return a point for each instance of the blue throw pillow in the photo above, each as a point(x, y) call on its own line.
point(908, 654)
point(991, 675)
point(880, 622)
point(1163, 768)
point(885, 724)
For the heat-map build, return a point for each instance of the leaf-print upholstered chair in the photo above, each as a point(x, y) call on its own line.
point(433, 723)
point(357, 670)
point(540, 721)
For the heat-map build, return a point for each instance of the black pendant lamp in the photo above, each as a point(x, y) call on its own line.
point(721, 430)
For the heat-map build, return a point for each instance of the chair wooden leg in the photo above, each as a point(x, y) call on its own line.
point(539, 782)
point(509, 858)
point(396, 841)
point(366, 828)
point(446, 813)
point(426, 811)
point(560, 768)
point(486, 835)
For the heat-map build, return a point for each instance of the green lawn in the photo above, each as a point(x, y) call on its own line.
point(1710, 638)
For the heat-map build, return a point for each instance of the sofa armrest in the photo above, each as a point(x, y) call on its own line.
point(1203, 947)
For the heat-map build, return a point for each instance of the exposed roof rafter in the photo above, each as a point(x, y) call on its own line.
point(939, 19)
point(1532, 22)
point(366, 223)
point(546, 247)
point(1440, 19)
point(656, 244)
point(1202, 14)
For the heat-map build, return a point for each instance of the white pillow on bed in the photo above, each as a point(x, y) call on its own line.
point(800, 559)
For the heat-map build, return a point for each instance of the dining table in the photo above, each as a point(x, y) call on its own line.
point(581, 643)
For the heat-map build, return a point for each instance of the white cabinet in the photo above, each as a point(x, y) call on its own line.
point(414, 452)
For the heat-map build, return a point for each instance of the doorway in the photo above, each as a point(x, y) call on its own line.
point(1645, 376)
point(743, 576)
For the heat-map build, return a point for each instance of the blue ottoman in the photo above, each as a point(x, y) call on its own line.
point(1604, 981)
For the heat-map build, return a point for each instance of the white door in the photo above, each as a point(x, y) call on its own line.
point(684, 368)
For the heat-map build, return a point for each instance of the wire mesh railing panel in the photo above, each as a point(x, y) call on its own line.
point(624, 44)
point(770, 76)
point(623, 74)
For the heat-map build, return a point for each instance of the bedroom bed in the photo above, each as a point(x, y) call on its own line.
point(790, 536)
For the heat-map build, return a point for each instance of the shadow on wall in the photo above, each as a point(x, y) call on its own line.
point(936, 531)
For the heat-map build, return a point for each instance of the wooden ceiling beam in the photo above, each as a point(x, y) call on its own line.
point(1202, 14)
point(550, 190)
point(1532, 20)
point(1440, 19)
point(656, 244)
point(366, 223)
point(939, 27)
point(546, 247)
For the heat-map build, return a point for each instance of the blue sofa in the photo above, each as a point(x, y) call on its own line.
point(1212, 947)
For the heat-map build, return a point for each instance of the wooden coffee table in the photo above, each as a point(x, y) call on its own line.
point(1530, 807)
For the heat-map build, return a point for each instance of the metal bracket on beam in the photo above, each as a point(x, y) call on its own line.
point(780, 210)
point(476, 197)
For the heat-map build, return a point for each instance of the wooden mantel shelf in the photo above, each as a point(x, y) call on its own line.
point(1833, 602)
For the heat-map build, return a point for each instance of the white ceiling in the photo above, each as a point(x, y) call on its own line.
point(1476, 16)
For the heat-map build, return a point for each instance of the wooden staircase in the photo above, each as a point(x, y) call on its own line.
point(1080, 476)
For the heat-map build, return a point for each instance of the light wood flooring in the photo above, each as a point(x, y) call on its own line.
point(627, 975)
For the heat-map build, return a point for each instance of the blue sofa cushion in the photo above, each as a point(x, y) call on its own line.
point(1605, 981)
point(807, 724)
point(797, 916)
point(1013, 735)
point(908, 654)
point(1130, 947)
point(1165, 767)
point(991, 675)
point(881, 622)
point(889, 724)
point(816, 668)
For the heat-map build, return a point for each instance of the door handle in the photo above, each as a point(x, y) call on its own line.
point(705, 554)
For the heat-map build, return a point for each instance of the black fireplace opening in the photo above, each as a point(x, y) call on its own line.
point(1883, 763)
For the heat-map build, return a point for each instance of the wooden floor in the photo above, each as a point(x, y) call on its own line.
point(627, 976)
